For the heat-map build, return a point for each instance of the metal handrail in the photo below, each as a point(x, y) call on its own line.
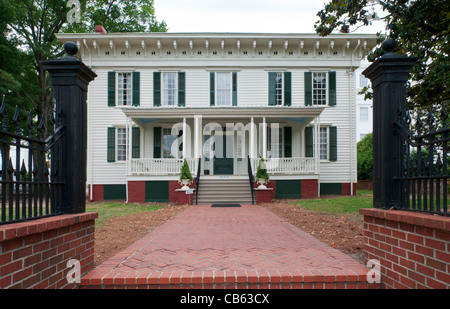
point(250, 177)
point(197, 180)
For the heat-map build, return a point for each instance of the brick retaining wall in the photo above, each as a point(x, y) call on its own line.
point(35, 254)
point(413, 249)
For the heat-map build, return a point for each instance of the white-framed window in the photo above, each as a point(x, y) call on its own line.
point(121, 144)
point(223, 89)
point(364, 114)
point(319, 88)
point(124, 89)
point(323, 146)
point(363, 81)
point(279, 89)
point(169, 89)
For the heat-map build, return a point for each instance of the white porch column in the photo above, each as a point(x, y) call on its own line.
point(264, 137)
point(196, 137)
point(317, 142)
point(184, 137)
point(129, 144)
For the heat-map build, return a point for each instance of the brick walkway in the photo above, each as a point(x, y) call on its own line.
point(246, 247)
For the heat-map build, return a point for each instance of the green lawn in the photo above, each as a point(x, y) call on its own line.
point(339, 205)
point(107, 210)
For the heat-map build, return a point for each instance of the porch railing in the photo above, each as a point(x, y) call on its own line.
point(149, 166)
point(302, 166)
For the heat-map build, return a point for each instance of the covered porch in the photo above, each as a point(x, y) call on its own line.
point(222, 142)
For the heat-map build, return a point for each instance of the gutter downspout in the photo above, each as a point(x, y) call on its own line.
point(352, 115)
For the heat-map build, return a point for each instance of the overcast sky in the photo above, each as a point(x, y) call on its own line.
point(264, 16)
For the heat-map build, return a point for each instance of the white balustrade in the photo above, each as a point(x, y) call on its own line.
point(160, 166)
point(298, 166)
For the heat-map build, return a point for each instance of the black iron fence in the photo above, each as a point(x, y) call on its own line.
point(410, 155)
point(41, 176)
point(30, 179)
point(423, 174)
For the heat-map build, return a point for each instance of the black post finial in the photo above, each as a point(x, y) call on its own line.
point(71, 49)
point(388, 46)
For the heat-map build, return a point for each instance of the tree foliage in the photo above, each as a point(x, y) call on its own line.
point(421, 29)
point(28, 38)
point(365, 157)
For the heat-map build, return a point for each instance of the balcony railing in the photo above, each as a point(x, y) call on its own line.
point(298, 166)
point(288, 166)
point(142, 167)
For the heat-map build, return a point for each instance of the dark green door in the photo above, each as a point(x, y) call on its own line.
point(223, 159)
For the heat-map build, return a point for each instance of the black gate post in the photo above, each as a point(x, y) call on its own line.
point(388, 75)
point(70, 78)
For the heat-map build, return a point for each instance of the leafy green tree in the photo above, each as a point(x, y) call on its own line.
point(118, 16)
point(29, 31)
point(421, 29)
point(365, 157)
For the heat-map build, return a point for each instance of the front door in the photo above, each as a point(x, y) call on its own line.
point(223, 155)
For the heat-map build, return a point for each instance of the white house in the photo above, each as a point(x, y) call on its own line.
point(221, 101)
point(364, 107)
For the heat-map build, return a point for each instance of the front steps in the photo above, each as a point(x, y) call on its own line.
point(222, 191)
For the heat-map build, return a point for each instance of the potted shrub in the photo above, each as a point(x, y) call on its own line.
point(186, 176)
point(261, 175)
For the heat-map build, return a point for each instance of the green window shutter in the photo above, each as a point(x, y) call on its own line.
point(332, 88)
point(308, 89)
point(111, 145)
point(333, 144)
point(157, 142)
point(212, 87)
point(111, 88)
point(181, 88)
point(288, 142)
point(156, 88)
point(136, 88)
point(309, 153)
point(272, 88)
point(287, 88)
point(234, 88)
point(136, 143)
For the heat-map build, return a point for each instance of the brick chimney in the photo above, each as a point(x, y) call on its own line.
point(100, 29)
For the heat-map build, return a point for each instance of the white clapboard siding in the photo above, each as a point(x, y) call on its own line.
point(252, 91)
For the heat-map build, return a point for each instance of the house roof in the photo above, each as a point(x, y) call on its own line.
point(224, 44)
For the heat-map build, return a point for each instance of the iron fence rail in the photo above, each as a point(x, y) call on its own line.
point(423, 174)
point(30, 185)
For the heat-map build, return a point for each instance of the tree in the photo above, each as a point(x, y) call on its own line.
point(30, 27)
point(118, 16)
point(421, 29)
point(365, 157)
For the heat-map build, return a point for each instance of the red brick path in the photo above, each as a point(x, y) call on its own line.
point(245, 247)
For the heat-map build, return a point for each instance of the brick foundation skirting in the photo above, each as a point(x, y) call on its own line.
point(35, 254)
point(413, 249)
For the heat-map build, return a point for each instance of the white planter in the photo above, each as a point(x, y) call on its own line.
point(262, 183)
point(185, 183)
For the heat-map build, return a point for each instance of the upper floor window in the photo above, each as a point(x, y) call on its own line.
point(364, 114)
point(223, 89)
point(170, 89)
point(280, 88)
point(124, 89)
point(319, 89)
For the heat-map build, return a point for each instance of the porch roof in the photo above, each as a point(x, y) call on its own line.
point(298, 114)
